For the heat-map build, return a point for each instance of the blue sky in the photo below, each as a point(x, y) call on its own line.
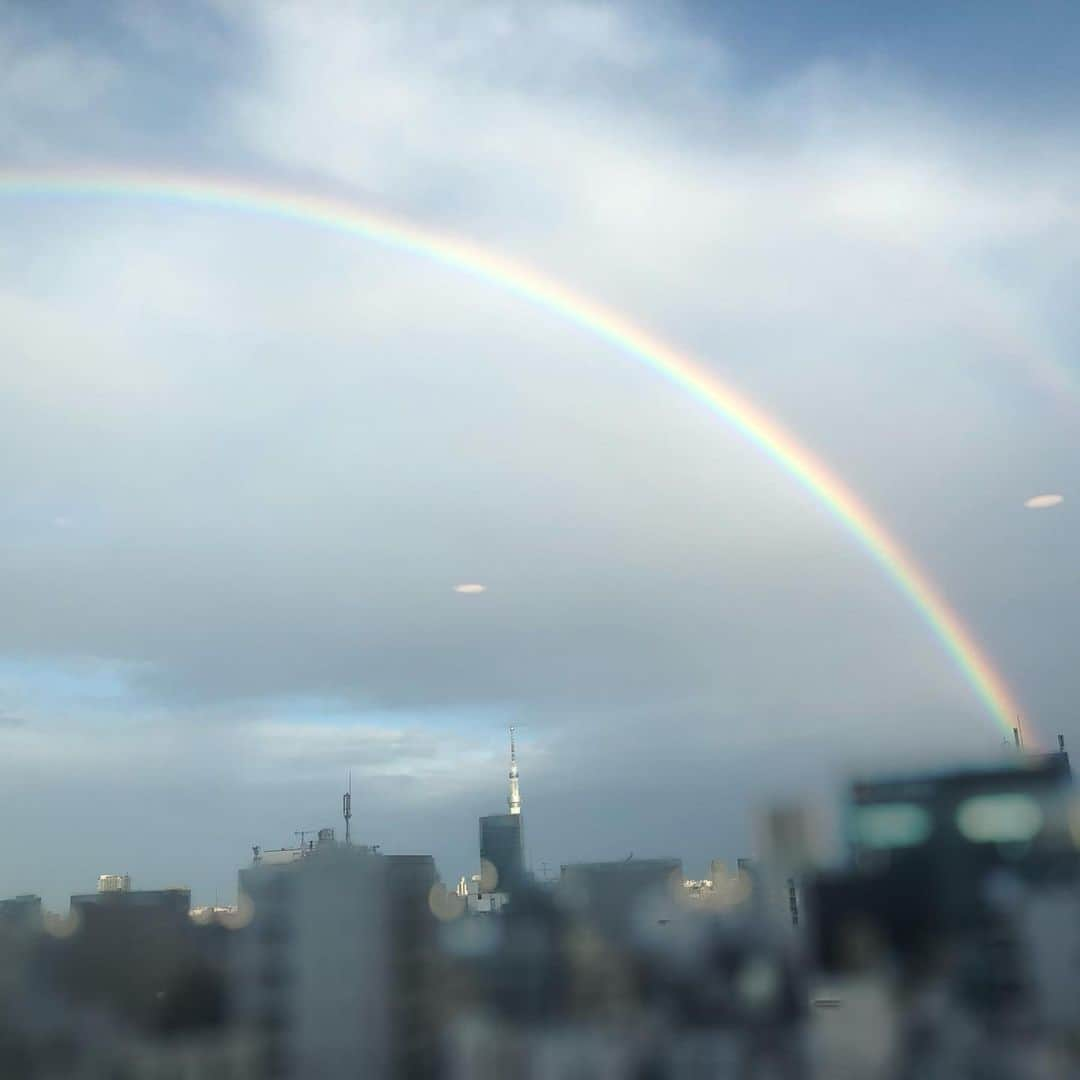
point(249, 461)
point(1005, 59)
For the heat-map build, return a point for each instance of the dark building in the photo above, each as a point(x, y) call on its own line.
point(21, 912)
point(502, 850)
point(613, 892)
point(924, 848)
point(413, 978)
point(170, 901)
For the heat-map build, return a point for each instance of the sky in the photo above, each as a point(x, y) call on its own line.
point(247, 461)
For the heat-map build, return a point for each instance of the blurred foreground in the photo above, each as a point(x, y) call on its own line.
point(946, 945)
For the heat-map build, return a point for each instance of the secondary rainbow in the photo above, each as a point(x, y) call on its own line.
point(616, 329)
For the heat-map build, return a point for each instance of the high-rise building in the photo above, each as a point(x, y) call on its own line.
point(502, 855)
point(334, 973)
point(311, 970)
point(502, 849)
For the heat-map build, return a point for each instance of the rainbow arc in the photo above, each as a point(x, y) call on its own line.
point(619, 331)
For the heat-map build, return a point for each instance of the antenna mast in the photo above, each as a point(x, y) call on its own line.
point(346, 808)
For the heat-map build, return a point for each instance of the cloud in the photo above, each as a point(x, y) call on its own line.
point(1043, 502)
point(283, 446)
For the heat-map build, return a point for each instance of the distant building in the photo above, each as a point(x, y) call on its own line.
point(502, 849)
point(722, 890)
point(502, 853)
point(616, 893)
point(175, 901)
point(21, 913)
point(114, 883)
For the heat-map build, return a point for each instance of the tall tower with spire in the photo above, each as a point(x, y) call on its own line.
point(514, 801)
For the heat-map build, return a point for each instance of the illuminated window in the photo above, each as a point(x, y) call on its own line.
point(891, 825)
point(1009, 818)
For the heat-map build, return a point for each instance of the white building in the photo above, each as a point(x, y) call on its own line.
point(311, 969)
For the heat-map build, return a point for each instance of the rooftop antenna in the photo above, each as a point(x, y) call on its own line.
point(1061, 743)
point(303, 835)
point(346, 808)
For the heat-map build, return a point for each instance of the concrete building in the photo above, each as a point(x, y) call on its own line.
point(309, 971)
point(334, 974)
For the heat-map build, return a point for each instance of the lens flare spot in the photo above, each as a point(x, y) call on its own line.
point(1044, 502)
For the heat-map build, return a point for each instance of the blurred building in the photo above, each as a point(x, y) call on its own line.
point(174, 901)
point(309, 973)
point(21, 913)
point(617, 895)
point(333, 975)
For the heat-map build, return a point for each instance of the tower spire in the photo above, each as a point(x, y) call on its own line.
point(514, 801)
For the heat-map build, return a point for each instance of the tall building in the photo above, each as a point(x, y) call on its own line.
point(502, 849)
point(502, 854)
point(334, 973)
point(311, 972)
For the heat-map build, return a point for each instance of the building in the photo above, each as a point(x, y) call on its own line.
point(21, 913)
point(502, 853)
point(923, 848)
point(174, 901)
point(616, 894)
point(334, 974)
point(502, 849)
point(310, 970)
point(114, 883)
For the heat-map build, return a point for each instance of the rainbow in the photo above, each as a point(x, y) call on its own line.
point(617, 330)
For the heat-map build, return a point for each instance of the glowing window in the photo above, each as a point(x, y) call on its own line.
point(892, 825)
point(1009, 818)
